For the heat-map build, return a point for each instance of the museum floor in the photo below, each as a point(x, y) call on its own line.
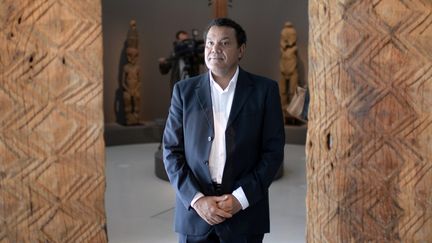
point(139, 205)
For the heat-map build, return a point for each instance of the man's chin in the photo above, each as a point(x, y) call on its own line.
point(215, 65)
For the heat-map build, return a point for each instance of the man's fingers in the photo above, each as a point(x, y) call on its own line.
point(216, 211)
point(221, 198)
point(208, 209)
point(223, 201)
point(222, 213)
point(230, 205)
point(216, 220)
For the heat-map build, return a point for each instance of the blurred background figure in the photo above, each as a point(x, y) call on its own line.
point(185, 59)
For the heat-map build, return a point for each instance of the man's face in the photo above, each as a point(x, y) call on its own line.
point(182, 36)
point(222, 53)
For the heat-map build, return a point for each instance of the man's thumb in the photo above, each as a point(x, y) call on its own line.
point(222, 198)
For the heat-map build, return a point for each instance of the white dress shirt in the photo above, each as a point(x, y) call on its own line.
point(221, 104)
point(222, 100)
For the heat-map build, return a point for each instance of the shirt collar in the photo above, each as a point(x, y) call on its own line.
point(232, 82)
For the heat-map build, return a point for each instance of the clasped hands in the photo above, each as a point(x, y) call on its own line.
point(216, 209)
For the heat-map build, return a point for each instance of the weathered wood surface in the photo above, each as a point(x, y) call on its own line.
point(52, 178)
point(220, 8)
point(369, 149)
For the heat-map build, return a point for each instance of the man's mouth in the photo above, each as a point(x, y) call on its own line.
point(215, 58)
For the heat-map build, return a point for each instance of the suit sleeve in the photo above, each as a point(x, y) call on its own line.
point(179, 173)
point(164, 68)
point(255, 185)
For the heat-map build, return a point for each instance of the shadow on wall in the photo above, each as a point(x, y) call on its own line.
point(118, 99)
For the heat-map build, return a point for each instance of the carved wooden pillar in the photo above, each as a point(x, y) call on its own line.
point(220, 8)
point(52, 178)
point(369, 149)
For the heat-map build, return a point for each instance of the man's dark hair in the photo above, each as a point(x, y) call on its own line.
point(178, 33)
point(226, 22)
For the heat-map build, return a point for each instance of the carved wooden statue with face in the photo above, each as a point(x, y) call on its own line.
point(288, 65)
point(131, 87)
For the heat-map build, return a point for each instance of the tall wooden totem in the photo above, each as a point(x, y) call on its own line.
point(369, 149)
point(220, 8)
point(52, 178)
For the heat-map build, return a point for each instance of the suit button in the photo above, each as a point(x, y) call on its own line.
point(206, 162)
point(210, 139)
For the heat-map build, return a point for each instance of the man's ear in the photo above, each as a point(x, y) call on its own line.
point(242, 49)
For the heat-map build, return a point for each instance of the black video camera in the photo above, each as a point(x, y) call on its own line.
point(189, 47)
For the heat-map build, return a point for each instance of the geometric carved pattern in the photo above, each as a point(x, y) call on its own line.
point(369, 146)
point(52, 174)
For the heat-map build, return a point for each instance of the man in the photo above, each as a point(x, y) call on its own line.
point(223, 144)
point(183, 62)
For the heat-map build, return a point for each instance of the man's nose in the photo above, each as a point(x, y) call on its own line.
point(216, 48)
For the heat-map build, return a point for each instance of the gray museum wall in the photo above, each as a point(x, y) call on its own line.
point(157, 22)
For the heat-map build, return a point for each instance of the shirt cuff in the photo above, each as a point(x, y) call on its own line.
point(241, 197)
point(196, 197)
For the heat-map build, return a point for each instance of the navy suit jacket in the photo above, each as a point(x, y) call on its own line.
point(254, 150)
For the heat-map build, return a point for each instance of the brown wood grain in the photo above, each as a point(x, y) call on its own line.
point(220, 8)
point(52, 178)
point(369, 146)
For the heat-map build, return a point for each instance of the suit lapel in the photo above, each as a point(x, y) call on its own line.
point(242, 92)
point(203, 94)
